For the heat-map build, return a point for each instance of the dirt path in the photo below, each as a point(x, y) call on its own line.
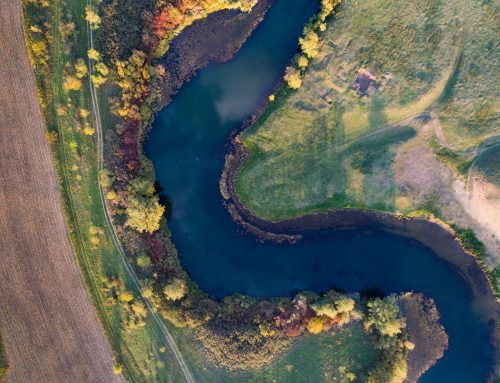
point(49, 326)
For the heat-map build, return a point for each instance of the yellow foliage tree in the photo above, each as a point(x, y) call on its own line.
point(72, 83)
point(315, 325)
point(111, 195)
point(144, 213)
point(310, 44)
point(292, 77)
point(92, 17)
point(126, 296)
point(88, 130)
point(302, 62)
point(102, 68)
point(84, 113)
point(98, 80)
point(40, 52)
point(93, 55)
point(81, 68)
point(175, 290)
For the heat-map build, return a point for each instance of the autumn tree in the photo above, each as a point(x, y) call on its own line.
point(72, 83)
point(292, 77)
point(316, 324)
point(93, 55)
point(88, 130)
point(302, 62)
point(310, 44)
point(81, 68)
point(175, 289)
point(144, 213)
point(92, 17)
point(327, 7)
point(144, 210)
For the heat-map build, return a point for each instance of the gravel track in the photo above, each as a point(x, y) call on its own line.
point(50, 329)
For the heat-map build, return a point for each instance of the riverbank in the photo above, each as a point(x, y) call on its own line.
point(205, 42)
point(427, 336)
point(438, 237)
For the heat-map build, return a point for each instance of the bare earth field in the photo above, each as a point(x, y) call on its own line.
point(49, 327)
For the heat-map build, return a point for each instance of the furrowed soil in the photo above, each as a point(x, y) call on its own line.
point(49, 327)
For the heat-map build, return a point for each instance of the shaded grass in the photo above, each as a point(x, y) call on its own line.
point(488, 164)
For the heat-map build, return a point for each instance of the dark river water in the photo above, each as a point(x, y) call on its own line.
point(186, 146)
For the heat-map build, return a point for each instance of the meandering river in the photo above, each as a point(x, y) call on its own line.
point(186, 146)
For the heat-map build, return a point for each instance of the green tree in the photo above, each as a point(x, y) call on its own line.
point(383, 315)
point(143, 261)
point(334, 304)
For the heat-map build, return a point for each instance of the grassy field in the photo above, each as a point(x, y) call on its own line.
point(325, 146)
point(470, 109)
point(327, 357)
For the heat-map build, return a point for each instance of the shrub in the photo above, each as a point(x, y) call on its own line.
point(383, 316)
point(72, 83)
point(175, 290)
point(143, 261)
point(117, 369)
point(315, 325)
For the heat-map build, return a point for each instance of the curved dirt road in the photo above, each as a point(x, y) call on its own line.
point(49, 327)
